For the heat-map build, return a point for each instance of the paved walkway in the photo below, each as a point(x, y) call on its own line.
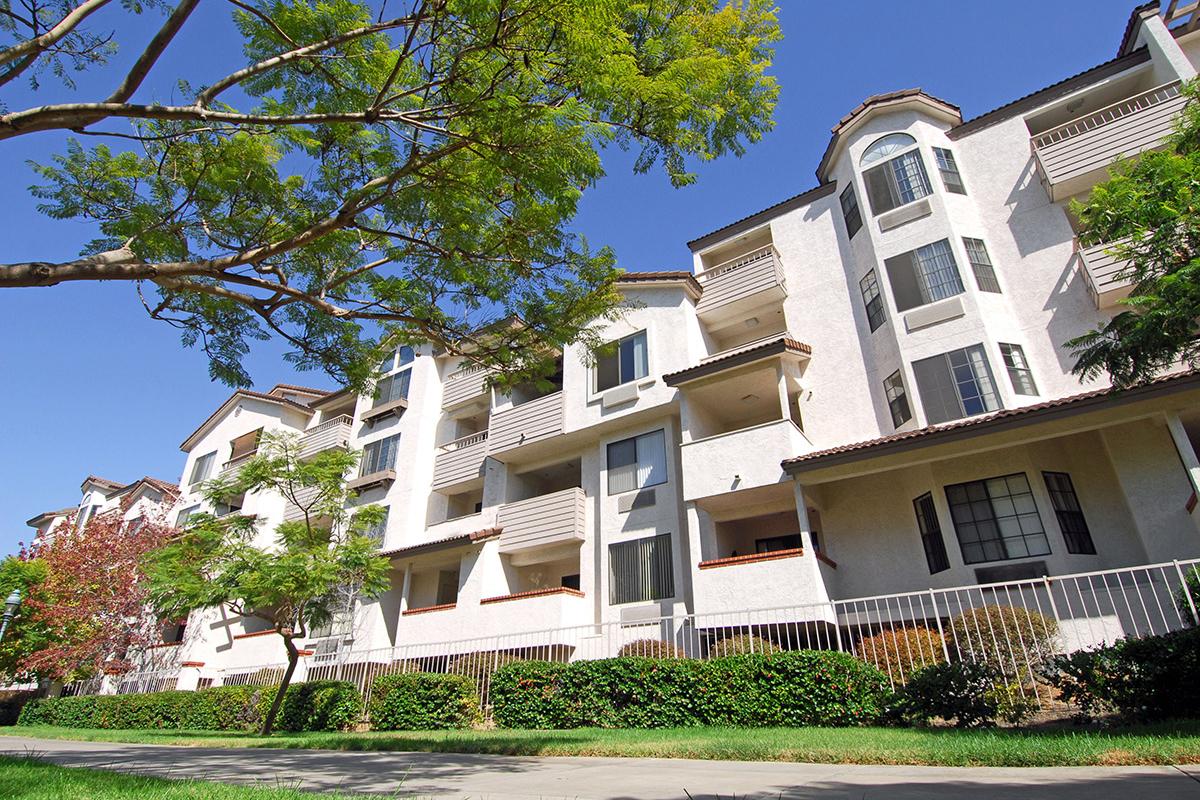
point(449, 775)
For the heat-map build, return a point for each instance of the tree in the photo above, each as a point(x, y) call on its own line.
point(382, 173)
point(86, 605)
point(1149, 215)
point(23, 636)
point(293, 582)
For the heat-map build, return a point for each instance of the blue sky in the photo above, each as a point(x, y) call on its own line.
point(91, 385)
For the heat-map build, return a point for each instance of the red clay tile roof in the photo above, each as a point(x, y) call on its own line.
point(62, 512)
point(271, 398)
point(101, 482)
point(664, 276)
point(301, 389)
point(441, 544)
point(933, 433)
point(778, 345)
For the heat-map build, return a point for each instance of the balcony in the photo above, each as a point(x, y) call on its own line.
point(735, 288)
point(235, 463)
point(787, 581)
point(460, 461)
point(1076, 156)
point(293, 512)
point(1102, 271)
point(527, 423)
point(465, 385)
point(549, 519)
point(742, 459)
point(326, 436)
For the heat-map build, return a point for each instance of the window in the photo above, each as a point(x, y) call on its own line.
point(996, 519)
point(182, 518)
point(621, 362)
point(850, 211)
point(447, 587)
point(637, 462)
point(570, 581)
point(1069, 513)
point(245, 444)
point(406, 356)
point(379, 456)
point(956, 384)
point(896, 182)
point(869, 286)
point(640, 570)
point(981, 265)
point(202, 468)
point(393, 387)
point(949, 169)
point(1018, 369)
point(924, 275)
point(893, 387)
point(377, 532)
point(931, 534)
point(85, 514)
point(772, 544)
point(340, 604)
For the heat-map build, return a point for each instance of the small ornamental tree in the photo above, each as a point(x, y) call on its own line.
point(291, 580)
point(89, 611)
point(22, 636)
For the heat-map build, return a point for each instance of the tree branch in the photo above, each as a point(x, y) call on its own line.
point(62, 28)
point(153, 50)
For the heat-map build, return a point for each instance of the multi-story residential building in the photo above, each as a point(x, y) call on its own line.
point(859, 390)
point(145, 497)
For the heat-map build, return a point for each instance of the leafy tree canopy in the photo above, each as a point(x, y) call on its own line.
point(377, 173)
point(1149, 215)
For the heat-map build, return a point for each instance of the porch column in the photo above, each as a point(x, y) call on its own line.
point(405, 586)
point(1187, 454)
point(806, 528)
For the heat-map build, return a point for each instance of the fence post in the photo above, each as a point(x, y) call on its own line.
point(1187, 592)
point(937, 617)
point(837, 625)
point(1053, 605)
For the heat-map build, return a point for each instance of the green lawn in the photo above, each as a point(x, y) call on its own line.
point(1173, 743)
point(30, 779)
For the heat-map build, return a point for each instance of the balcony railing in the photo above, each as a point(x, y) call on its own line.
point(1102, 271)
point(237, 461)
point(527, 423)
point(752, 279)
point(746, 458)
point(554, 518)
point(460, 461)
point(329, 434)
point(1073, 157)
point(466, 384)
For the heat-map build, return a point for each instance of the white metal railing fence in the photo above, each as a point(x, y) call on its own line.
point(1014, 626)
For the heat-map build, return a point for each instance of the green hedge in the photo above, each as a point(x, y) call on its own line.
point(423, 701)
point(321, 705)
point(805, 687)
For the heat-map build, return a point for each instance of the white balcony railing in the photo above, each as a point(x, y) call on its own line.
point(460, 460)
point(549, 519)
point(740, 283)
point(1103, 273)
point(466, 384)
point(331, 433)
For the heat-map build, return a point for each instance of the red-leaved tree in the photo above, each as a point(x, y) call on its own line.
point(93, 601)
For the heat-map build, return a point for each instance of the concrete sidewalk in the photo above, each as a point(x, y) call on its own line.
point(450, 775)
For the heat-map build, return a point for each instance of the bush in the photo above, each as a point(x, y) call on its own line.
point(1187, 598)
point(804, 687)
point(479, 667)
point(650, 648)
point(1151, 678)
point(320, 706)
point(11, 703)
point(900, 652)
point(1012, 641)
point(423, 701)
point(742, 644)
point(971, 693)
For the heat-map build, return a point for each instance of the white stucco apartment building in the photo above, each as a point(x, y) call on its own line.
point(860, 390)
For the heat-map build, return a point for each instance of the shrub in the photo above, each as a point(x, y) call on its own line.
point(216, 708)
point(320, 706)
point(1187, 598)
point(971, 693)
point(1012, 641)
point(742, 644)
point(650, 648)
point(804, 687)
point(900, 652)
point(1149, 678)
point(479, 667)
point(423, 701)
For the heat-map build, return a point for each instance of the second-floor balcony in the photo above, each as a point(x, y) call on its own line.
point(740, 459)
point(1103, 273)
point(1072, 158)
point(740, 285)
point(329, 434)
point(465, 385)
point(526, 423)
point(460, 461)
point(549, 519)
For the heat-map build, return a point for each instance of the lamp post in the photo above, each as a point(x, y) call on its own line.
point(10, 611)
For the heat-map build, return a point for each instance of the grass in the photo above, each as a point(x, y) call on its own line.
point(1165, 743)
point(31, 779)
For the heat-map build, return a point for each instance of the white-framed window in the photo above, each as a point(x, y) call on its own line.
point(924, 275)
point(1019, 373)
point(378, 532)
point(893, 387)
point(182, 517)
point(202, 468)
point(640, 570)
point(851, 213)
point(996, 519)
point(981, 265)
point(956, 384)
point(621, 362)
point(901, 178)
point(948, 168)
point(637, 462)
point(392, 387)
point(397, 359)
point(872, 300)
point(380, 455)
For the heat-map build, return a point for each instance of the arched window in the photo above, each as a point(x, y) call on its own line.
point(406, 356)
point(898, 176)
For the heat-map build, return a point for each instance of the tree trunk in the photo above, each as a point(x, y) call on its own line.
point(293, 659)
